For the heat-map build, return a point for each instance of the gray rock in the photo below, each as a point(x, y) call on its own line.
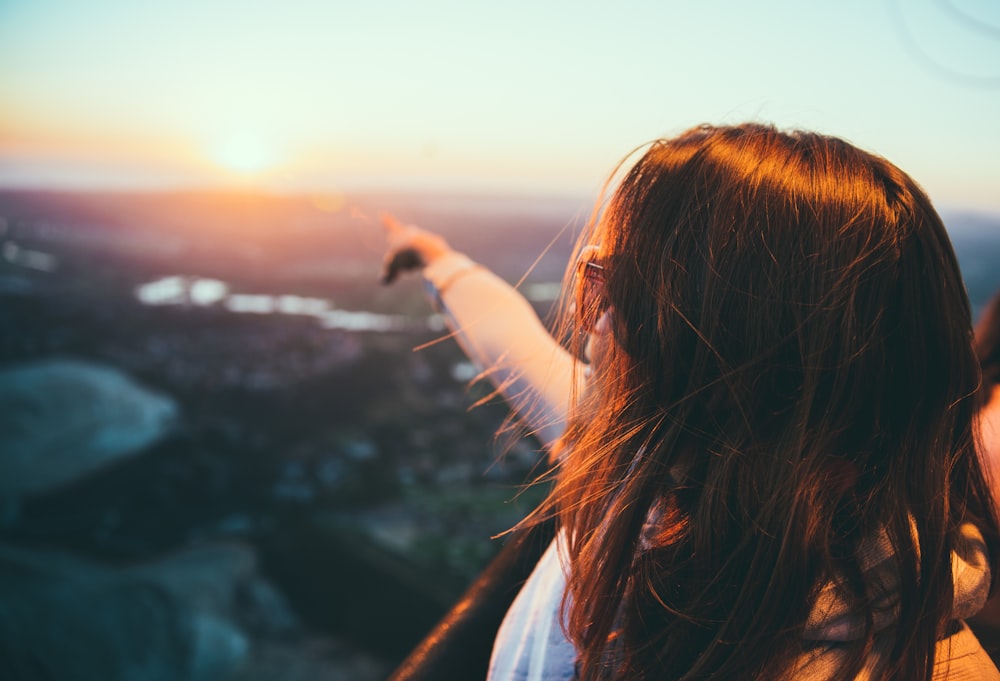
point(62, 419)
point(64, 617)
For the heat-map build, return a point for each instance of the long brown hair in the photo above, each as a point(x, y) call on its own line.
point(988, 343)
point(791, 372)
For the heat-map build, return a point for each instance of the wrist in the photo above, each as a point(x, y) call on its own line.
point(448, 268)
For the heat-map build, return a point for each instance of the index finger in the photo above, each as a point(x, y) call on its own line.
point(391, 223)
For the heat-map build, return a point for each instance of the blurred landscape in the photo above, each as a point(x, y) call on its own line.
point(210, 398)
point(285, 430)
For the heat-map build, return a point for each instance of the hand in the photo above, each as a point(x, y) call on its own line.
point(408, 248)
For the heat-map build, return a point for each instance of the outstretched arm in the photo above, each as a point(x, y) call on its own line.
point(494, 325)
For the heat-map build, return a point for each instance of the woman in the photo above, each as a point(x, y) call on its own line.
point(767, 469)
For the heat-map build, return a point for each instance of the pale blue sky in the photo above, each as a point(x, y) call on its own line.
point(519, 95)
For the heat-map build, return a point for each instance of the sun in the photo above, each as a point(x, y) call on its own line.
point(243, 153)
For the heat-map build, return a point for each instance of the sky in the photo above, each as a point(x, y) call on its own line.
point(529, 96)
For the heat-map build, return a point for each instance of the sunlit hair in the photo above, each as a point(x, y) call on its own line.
point(791, 371)
point(988, 343)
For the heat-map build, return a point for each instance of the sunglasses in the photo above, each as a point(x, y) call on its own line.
point(589, 295)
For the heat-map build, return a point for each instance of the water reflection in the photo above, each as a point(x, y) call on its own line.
point(203, 292)
point(28, 258)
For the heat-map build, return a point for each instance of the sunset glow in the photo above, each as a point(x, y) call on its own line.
point(327, 96)
point(243, 153)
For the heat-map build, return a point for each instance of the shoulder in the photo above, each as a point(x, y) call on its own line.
point(531, 642)
point(961, 657)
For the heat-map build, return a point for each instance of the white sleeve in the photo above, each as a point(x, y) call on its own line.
point(499, 331)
